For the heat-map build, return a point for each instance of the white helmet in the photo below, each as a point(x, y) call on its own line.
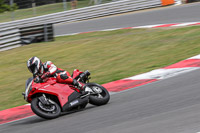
point(34, 65)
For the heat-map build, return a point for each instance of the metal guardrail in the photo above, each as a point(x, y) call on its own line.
point(9, 38)
point(15, 37)
point(86, 13)
point(178, 2)
point(38, 33)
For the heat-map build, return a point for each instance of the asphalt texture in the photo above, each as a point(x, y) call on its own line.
point(167, 106)
point(169, 14)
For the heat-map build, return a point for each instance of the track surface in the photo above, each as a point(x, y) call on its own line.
point(168, 106)
point(171, 14)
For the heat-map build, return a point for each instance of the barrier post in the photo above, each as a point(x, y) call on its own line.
point(45, 33)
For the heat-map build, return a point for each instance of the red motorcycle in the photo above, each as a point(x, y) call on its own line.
point(49, 98)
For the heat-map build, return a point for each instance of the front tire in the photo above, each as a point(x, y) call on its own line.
point(39, 109)
point(99, 98)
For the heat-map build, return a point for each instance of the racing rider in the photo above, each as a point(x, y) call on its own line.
point(48, 69)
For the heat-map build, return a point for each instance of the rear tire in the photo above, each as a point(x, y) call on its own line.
point(42, 113)
point(94, 99)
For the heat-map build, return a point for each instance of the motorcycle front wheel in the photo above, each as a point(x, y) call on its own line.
point(45, 111)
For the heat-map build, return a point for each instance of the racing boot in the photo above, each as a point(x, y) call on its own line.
point(79, 86)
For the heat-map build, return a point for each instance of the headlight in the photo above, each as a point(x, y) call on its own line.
point(28, 89)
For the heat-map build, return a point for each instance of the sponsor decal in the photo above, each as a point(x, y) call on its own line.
point(74, 102)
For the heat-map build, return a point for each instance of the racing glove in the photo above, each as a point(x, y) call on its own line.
point(47, 74)
point(37, 80)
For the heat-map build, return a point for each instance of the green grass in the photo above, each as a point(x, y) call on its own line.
point(110, 56)
point(41, 10)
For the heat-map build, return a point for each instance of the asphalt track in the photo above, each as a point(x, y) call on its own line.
point(170, 14)
point(167, 106)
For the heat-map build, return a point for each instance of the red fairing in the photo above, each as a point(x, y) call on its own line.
point(62, 91)
point(76, 73)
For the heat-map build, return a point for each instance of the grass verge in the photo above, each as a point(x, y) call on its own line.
point(110, 56)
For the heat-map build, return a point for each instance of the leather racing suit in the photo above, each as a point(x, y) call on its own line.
point(50, 70)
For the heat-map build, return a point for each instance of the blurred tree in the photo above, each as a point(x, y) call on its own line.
point(5, 7)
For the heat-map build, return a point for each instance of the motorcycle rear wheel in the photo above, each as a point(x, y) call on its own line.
point(40, 111)
point(101, 98)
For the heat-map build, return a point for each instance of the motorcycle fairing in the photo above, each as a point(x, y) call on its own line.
point(62, 91)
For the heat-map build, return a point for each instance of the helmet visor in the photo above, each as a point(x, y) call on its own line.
point(33, 69)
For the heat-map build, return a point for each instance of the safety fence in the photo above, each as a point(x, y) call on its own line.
point(35, 8)
point(13, 37)
point(111, 8)
point(38, 33)
point(9, 38)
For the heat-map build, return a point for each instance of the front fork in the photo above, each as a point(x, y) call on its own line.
point(43, 99)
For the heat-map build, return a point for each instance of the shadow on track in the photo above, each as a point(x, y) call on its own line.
point(37, 119)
